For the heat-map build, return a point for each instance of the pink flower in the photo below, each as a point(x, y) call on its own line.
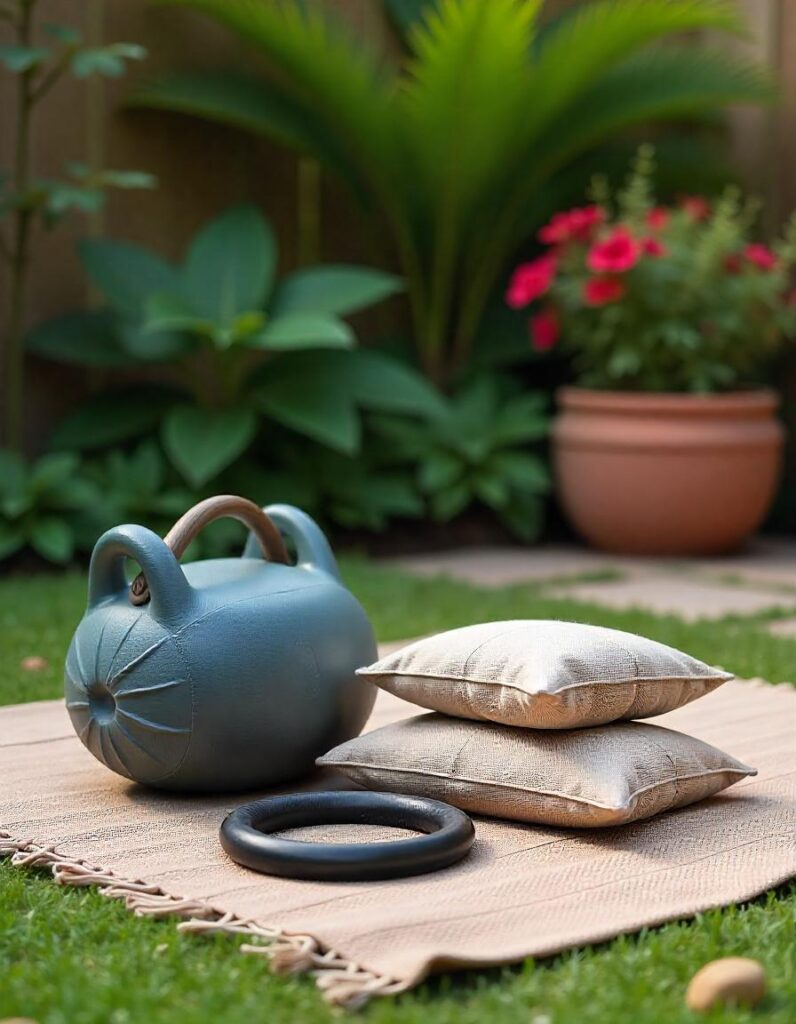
point(530, 281)
point(697, 207)
point(599, 291)
point(573, 225)
point(760, 256)
point(652, 247)
point(615, 254)
point(545, 330)
point(658, 218)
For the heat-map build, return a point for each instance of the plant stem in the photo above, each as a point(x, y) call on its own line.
point(14, 364)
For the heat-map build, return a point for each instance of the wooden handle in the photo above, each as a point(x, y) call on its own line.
point(195, 519)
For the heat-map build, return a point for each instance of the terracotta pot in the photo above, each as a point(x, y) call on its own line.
point(666, 474)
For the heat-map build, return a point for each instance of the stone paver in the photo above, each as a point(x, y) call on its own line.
point(499, 567)
point(783, 627)
point(681, 595)
point(765, 560)
point(761, 577)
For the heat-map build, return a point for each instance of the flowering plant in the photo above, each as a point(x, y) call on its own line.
point(659, 298)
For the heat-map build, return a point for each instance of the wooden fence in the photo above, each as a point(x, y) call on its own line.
point(202, 168)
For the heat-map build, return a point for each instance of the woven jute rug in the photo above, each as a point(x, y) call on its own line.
point(523, 891)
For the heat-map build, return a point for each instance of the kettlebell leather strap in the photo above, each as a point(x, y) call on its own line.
point(195, 519)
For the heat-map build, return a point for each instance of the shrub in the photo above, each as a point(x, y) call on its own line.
point(660, 298)
point(242, 349)
point(452, 149)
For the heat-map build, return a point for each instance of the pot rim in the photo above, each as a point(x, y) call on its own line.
point(754, 400)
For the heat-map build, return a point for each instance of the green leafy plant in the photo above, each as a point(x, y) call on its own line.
point(242, 347)
point(478, 450)
point(452, 149)
point(24, 198)
point(136, 487)
point(660, 298)
point(44, 505)
point(366, 492)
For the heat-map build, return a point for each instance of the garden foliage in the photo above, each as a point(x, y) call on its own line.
point(39, 57)
point(451, 150)
point(242, 347)
point(660, 298)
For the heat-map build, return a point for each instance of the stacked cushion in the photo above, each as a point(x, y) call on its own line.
point(544, 674)
point(532, 725)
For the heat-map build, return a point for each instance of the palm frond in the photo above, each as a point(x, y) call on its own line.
point(335, 83)
point(664, 83)
point(244, 101)
point(463, 93)
point(598, 35)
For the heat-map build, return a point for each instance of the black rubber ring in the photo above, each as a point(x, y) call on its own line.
point(246, 836)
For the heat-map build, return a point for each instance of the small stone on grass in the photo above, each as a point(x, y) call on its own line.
point(33, 663)
point(731, 981)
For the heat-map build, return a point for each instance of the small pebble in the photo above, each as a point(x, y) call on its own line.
point(33, 663)
point(732, 981)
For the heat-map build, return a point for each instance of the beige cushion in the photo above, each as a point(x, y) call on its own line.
point(582, 777)
point(544, 674)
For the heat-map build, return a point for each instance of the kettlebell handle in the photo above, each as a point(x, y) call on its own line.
point(195, 519)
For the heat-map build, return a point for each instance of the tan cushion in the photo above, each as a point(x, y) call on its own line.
point(544, 674)
point(581, 777)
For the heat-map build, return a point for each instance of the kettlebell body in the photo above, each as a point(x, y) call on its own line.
point(235, 674)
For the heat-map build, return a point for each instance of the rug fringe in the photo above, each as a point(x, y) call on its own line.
point(342, 982)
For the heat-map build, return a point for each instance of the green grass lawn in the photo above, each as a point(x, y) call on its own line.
point(69, 956)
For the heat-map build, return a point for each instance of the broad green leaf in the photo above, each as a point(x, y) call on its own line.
point(167, 312)
point(113, 417)
point(438, 470)
point(312, 406)
point(317, 392)
point(53, 469)
point(202, 442)
point(523, 471)
point(448, 503)
point(59, 197)
point(108, 61)
point(23, 58)
point(230, 265)
point(246, 324)
point(83, 338)
point(52, 538)
point(76, 494)
point(382, 382)
point(521, 419)
point(12, 538)
point(334, 289)
point(303, 330)
point(154, 346)
point(492, 489)
point(126, 274)
point(524, 517)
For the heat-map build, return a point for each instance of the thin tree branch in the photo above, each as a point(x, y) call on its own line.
point(52, 76)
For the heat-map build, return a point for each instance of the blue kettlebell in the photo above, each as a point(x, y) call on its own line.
point(226, 674)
